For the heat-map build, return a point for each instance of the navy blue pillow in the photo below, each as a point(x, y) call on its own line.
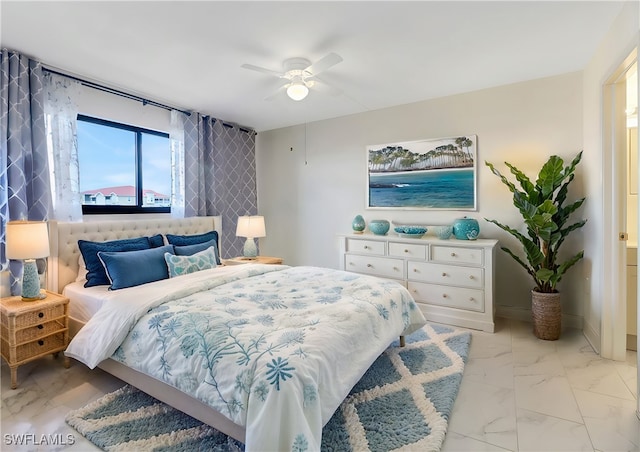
point(96, 275)
point(156, 240)
point(132, 268)
point(188, 250)
point(182, 240)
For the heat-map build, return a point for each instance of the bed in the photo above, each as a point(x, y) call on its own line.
point(263, 353)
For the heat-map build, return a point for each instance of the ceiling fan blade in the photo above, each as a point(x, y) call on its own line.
point(324, 87)
point(278, 91)
point(262, 69)
point(324, 63)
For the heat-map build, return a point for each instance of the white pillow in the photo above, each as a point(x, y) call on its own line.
point(82, 270)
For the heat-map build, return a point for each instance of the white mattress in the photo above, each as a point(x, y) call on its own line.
point(84, 302)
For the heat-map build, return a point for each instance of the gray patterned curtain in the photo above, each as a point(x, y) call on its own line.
point(24, 169)
point(220, 175)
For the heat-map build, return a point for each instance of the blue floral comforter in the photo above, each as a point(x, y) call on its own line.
point(274, 348)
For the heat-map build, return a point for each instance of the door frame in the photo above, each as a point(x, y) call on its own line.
point(613, 328)
point(614, 315)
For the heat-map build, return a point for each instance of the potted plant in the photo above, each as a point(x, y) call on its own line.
point(545, 211)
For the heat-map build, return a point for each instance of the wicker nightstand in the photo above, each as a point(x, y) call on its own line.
point(33, 329)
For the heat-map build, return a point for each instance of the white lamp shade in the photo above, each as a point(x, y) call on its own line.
point(297, 91)
point(251, 226)
point(27, 240)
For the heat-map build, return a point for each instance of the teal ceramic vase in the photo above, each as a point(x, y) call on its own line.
point(358, 224)
point(466, 229)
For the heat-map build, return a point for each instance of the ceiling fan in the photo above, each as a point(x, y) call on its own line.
point(299, 75)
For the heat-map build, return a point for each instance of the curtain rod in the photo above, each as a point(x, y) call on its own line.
point(144, 101)
point(106, 89)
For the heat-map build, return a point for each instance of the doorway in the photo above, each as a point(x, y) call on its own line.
point(621, 188)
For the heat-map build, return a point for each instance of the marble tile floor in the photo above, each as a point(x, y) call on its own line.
point(518, 393)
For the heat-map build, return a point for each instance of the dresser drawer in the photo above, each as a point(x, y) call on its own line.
point(457, 255)
point(378, 266)
point(445, 274)
point(407, 250)
point(365, 247)
point(454, 297)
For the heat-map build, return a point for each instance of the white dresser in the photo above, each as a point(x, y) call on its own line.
point(451, 280)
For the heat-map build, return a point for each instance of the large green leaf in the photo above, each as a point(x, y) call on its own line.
point(551, 176)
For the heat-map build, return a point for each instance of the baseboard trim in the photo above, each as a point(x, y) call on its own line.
point(524, 315)
point(593, 337)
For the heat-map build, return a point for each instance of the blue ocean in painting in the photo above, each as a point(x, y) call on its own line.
point(443, 188)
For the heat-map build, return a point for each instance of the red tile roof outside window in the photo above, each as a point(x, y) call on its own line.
point(124, 195)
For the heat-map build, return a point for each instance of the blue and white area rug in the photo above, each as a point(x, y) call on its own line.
point(403, 401)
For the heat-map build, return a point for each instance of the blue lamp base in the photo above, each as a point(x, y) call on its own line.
point(30, 281)
point(250, 251)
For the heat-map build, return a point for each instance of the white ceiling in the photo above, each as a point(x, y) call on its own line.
point(188, 54)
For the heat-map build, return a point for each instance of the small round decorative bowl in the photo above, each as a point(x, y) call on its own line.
point(410, 231)
point(443, 232)
point(379, 227)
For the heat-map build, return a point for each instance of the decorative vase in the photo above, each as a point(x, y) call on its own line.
point(379, 227)
point(466, 228)
point(358, 224)
point(547, 315)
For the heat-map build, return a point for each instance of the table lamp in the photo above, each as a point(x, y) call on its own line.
point(250, 227)
point(28, 241)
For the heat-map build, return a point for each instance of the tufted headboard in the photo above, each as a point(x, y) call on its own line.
point(63, 239)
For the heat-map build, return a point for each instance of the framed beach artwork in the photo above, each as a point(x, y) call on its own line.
point(437, 174)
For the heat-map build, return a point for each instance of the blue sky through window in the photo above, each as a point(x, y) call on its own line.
point(106, 156)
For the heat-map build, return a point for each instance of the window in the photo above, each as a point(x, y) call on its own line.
point(123, 169)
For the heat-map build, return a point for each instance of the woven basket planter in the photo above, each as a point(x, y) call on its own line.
point(547, 315)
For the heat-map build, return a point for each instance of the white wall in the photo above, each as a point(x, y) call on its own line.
point(312, 180)
point(99, 104)
point(618, 43)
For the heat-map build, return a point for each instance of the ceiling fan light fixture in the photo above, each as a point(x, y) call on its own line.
point(297, 91)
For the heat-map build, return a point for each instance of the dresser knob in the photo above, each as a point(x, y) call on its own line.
point(444, 274)
point(40, 327)
point(471, 277)
point(40, 342)
point(472, 299)
point(406, 251)
point(369, 265)
point(415, 270)
point(366, 247)
point(40, 314)
point(444, 295)
point(453, 254)
point(396, 268)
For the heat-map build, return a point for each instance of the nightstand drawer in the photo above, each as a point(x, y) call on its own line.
point(38, 331)
point(39, 347)
point(446, 274)
point(36, 317)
